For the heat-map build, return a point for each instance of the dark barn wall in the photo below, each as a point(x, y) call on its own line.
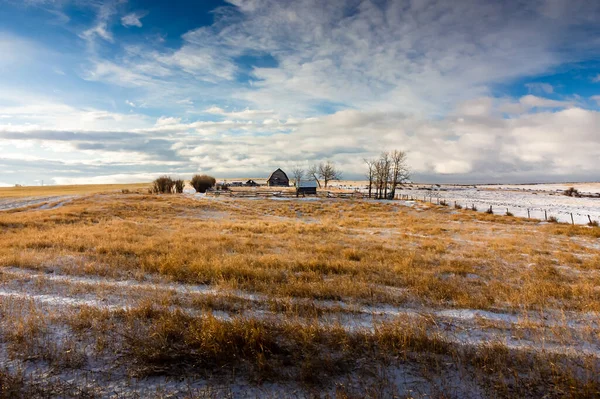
point(307, 190)
point(278, 178)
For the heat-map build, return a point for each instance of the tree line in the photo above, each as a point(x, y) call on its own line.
point(386, 173)
point(323, 172)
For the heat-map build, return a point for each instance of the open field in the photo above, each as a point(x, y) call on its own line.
point(136, 295)
point(52, 191)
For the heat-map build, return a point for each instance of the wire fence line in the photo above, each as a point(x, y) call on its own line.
point(505, 208)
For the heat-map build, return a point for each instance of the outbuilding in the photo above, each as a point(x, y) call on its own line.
point(307, 187)
point(278, 179)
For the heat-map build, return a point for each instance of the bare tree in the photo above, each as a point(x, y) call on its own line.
point(387, 172)
point(399, 172)
point(328, 172)
point(371, 173)
point(313, 173)
point(382, 172)
point(298, 173)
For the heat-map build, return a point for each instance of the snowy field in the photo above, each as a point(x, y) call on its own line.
point(518, 199)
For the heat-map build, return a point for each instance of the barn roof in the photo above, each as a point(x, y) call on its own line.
point(275, 171)
point(307, 184)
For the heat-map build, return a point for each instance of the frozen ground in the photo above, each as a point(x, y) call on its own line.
point(586, 188)
point(44, 202)
point(516, 201)
point(54, 292)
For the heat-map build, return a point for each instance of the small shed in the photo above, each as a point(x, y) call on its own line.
point(307, 187)
point(251, 183)
point(278, 179)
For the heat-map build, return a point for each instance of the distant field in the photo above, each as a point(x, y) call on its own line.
point(41, 191)
point(137, 295)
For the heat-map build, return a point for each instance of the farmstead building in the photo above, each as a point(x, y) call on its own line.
point(307, 187)
point(278, 179)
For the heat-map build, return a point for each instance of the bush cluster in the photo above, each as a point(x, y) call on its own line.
point(166, 185)
point(201, 183)
point(572, 192)
point(163, 185)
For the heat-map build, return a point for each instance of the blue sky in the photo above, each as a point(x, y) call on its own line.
point(475, 91)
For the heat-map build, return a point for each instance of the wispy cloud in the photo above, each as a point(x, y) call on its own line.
point(537, 87)
point(133, 19)
point(274, 83)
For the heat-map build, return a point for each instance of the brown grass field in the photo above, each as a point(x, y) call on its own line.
point(44, 191)
point(133, 295)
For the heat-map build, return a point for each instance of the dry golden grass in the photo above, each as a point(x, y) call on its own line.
point(286, 261)
point(41, 191)
point(317, 249)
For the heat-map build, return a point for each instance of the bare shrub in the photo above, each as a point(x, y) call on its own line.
point(508, 213)
point(457, 205)
point(163, 185)
point(593, 223)
point(572, 192)
point(552, 219)
point(201, 183)
point(473, 208)
point(443, 203)
point(179, 185)
point(489, 211)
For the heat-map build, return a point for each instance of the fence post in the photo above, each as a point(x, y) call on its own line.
point(572, 221)
point(590, 219)
point(528, 215)
point(545, 214)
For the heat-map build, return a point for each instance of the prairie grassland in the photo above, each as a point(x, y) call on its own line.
point(44, 191)
point(141, 295)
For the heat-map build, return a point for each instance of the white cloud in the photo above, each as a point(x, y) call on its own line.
point(104, 12)
point(538, 87)
point(344, 80)
point(164, 121)
point(247, 114)
point(133, 19)
point(596, 79)
point(107, 71)
point(479, 147)
point(531, 101)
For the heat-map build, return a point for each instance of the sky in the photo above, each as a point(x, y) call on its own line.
point(95, 91)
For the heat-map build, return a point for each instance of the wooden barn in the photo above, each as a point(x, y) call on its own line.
point(278, 179)
point(307, 187)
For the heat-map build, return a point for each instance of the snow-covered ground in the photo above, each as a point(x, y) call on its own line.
point(517, 201)
point(585, 188)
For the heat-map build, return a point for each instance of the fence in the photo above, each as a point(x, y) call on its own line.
point(537, 213)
